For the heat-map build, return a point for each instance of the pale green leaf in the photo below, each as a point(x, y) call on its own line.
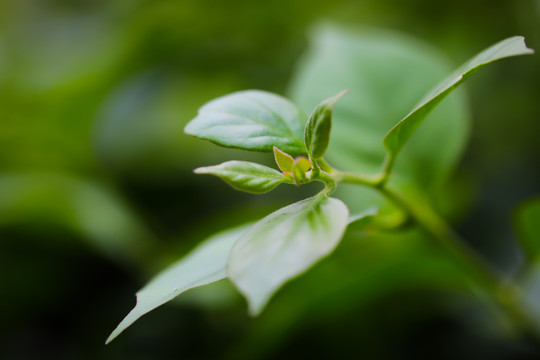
point(283, 245)
point(245, 176)
point(251, 120)
point(387, 72)
point(204, 265)
point(366, 270)
point(398, 136)
point(318, 126)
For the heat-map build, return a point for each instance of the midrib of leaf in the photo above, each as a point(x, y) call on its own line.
point(277, 129)
point(189, 286)
point(269, 177)
point(279, 117)
point(314, 202)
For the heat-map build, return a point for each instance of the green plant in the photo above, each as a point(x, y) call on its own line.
point(259, 258)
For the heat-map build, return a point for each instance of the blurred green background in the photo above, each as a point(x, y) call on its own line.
point(97, 192)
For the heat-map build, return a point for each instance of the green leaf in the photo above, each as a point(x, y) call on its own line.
point(398, 136)
point(366, 270)
point(251, 120)
point(245, 176)
point(284, 161)
point(318, 126)
point(527, 224)
point(387, 72)
point(283, 245)
point(204, 265)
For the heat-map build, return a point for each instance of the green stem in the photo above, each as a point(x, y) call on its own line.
point(436, 228)
point(501, 290)
point(328, 180)
point(388, 165)
point(359, 179)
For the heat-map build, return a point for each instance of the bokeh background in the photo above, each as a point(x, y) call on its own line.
point(97, 192)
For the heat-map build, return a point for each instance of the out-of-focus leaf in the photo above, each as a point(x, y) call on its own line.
point(204, 265)
point(319, 125)
point(251, 120)
point(527, 223)
point(364, 270)
point(245, 176)
point(398, 136)
point(360, 220)
point(387, 74)
point(87, 208)
point(155, 107)
point(283, 245)
point(46, 87)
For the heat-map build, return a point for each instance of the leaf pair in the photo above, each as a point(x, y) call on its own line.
point(265, 122)
point(293, 168)
point(259, 121)
point(258, 259)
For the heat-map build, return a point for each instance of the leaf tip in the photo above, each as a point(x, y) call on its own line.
point(526, 50)
point(188, 128)
point(254, 310)
point(130, 318)
point(332, 101)
point(109, 339)
point(200, 170)
point(344, 92)
point(257, 302)
point(284, 161)
point(119, 329)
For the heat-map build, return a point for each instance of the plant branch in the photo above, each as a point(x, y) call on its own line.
point(359, 179)
point(501, 290)
point(435, 227)
point(388, 166)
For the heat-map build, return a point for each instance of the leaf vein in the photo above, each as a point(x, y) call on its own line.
point(278, 116)
point(277, 129)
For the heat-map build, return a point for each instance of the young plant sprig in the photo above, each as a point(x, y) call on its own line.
point(260, 258)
